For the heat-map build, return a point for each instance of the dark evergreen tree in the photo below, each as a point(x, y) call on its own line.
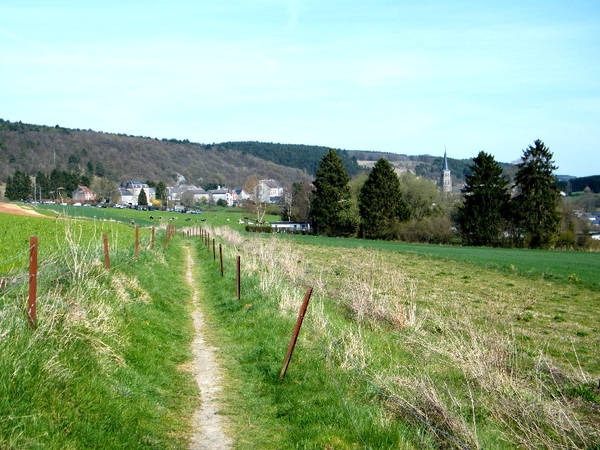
point(43, 185)
point(99, 169)
point(19, 187)
point(84, 180)
point(161, 191)
point(8, 190)
point(142, 198)
point(89, 171)
point(329, 208)
point(535, 205)
point(380, 202)
point(74, 161)
point(481, 215)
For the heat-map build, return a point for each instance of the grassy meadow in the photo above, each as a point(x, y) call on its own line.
point(213, 216)
point(107, 365)
point(403, 346)
point(405, 349)
point(61, 234)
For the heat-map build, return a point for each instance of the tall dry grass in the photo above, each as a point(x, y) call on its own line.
point(470, 380)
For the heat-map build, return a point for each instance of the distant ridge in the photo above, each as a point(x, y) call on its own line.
point(32, 148)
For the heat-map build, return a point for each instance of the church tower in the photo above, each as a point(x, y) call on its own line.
point(446, 179)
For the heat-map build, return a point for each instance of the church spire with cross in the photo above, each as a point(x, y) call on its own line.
point(446, 178)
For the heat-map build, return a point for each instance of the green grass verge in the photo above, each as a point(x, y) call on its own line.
point(107, 364)
point(305, 409)
point(63, 236)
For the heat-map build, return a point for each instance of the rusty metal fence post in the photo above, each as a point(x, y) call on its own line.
point(238, 278)
point(137, 242)
point(296, 332)
point(221, 258)
point(33, 256)
point(106, 256)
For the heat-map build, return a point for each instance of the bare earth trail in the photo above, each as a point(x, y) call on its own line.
point(209, 426)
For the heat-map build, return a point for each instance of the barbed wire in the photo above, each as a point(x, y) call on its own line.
point(24, 252)
point(20, 281)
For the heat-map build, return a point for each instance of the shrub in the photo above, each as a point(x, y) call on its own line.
point(258, 229)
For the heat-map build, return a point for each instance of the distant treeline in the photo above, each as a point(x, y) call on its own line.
point(579, 184)
point(304, 157)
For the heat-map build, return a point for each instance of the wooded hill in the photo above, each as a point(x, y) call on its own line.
point(32, 148)
point(426, 166)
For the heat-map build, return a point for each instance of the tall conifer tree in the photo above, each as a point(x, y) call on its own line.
point(481, 216)
point(330, 206)
point(19, 187)
point(380, 202)
point(535, 207)
point(142, 198)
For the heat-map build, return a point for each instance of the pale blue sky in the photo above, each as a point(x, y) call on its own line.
point(397, 76)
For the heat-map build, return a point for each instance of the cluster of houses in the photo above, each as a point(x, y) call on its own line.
point(128, 193)
point(594, 219)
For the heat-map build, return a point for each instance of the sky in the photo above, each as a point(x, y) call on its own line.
point(408, 77)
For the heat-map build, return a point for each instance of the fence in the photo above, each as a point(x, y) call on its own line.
point(8, 283)
point(328, 341)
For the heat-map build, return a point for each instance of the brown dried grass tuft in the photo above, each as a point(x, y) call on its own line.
point(422, 402)
point(374, 293)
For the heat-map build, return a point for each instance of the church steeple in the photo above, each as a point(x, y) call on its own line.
point(446, 177)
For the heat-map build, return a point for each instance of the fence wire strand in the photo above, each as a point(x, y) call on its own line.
point(24, 252)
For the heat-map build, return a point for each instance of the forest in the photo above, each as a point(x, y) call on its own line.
point(34, 148)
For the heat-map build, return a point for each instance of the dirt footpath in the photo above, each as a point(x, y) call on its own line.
point(12, 208)
point(209, 426)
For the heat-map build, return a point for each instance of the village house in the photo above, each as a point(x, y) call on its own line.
point(129, 192)
point(221, 194)
point(84, 194)
point(239, 196)
point(269, 191)
point(174, 193)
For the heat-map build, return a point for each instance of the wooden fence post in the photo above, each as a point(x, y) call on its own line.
point(33, 256)
point(214, 250)
point(106, 257)
point(296, 332)
point(152, 245)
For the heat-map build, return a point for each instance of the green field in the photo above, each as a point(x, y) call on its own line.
point(61, 235)
point(213, 216)
point(561, 266)
point(403, 346)
point(412, 346)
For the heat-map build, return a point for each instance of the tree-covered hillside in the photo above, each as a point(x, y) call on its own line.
point(34, 148)
point(427, 166)
point(579, 184)
point(305, 157)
